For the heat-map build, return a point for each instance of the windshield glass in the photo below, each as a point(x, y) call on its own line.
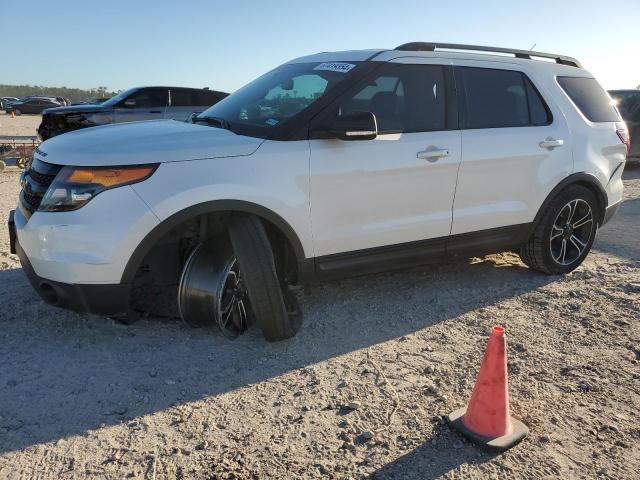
point(278, 96)
point(121, 96)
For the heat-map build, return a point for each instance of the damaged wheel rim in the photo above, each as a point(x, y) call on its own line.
point(211, 291)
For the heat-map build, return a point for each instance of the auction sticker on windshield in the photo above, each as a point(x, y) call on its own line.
point(335, 67)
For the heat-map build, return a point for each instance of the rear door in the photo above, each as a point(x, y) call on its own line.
point(30, 106)
point(516, 148)
point(391, 191)
point(144, 104)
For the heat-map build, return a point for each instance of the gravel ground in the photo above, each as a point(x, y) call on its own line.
point(84, 397)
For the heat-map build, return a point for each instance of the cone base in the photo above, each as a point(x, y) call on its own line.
point(520, 431)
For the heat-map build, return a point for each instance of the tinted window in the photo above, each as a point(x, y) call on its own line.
point(405, 98)
point(149, 97)
point(207, 97)
point(500, 99)
point(590, 98)
point(539, 113)
point(183, 98)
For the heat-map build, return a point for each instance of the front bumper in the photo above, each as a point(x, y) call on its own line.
point(102, 299)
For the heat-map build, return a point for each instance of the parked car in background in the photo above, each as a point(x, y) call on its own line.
point(4, 101)
point(92, 101)
point(628, 102)
point(31, 105)
point(140, 103)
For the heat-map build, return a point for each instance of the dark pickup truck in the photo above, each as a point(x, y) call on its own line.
point(140, 103)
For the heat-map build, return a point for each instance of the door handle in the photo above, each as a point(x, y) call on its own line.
point(433, 155)
point(551, 143)
point(155, 111)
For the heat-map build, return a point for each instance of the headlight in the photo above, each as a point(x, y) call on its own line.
point(73, 187)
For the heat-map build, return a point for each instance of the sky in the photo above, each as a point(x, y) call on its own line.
point(224, 45)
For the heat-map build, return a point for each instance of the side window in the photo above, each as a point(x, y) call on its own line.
point(405, 98)
point(500, 99)
point(208, 97)
point(590, 98)
point(148, 98)
point(539, 113)
point(183, 98)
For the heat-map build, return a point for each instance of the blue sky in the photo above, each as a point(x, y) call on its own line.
point(224, 45)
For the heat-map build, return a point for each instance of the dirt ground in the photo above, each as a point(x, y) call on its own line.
point(20, 125)
point(84, 397)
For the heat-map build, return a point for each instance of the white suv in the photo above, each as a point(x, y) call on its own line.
point(331, 165)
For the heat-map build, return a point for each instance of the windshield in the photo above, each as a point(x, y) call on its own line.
point(121, 96)
point(278, 96)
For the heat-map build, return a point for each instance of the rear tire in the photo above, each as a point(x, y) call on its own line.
point(17, 112)
point(275, 308)
point(564, 235)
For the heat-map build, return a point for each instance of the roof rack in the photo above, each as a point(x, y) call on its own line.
point(431, 46)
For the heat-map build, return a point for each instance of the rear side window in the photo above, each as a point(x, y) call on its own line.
point(590, 98)
point(500, 99)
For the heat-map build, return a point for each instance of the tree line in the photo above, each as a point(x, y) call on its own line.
point(73, 94)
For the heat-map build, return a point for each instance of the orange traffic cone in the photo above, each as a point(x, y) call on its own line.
point(486, 420)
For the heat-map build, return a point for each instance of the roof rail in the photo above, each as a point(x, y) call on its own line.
point(431, 46)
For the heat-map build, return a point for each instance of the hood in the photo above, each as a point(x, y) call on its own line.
point(77, 109)
point(152, 141)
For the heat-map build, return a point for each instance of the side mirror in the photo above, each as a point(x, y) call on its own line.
point(355, 126)
point(131, 102)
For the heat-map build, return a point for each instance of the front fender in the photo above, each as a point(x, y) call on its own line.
point(273, 184)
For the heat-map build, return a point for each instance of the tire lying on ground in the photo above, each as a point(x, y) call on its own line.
point(275, 308)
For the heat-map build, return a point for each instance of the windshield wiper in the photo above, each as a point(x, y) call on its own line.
point(213, 121)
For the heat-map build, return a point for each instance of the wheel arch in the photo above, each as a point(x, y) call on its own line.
point(215, 206)
point(585, 179)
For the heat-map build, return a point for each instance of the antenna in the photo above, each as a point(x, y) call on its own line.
point(533, 46)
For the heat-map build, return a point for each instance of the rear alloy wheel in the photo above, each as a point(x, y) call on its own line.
point(571, 232)
point(565, 233)
point(211, 290)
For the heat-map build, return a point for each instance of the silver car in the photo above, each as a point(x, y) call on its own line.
point(139, 103)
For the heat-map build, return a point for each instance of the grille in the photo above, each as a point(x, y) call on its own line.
point(35, 182)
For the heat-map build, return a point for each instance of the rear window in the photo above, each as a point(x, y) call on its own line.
point(590, 98)
point(501, 99)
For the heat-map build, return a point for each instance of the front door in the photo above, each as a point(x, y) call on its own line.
point(144, 104)
point(395, 191)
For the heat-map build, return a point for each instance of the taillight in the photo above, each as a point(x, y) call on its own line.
point(623, 133)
